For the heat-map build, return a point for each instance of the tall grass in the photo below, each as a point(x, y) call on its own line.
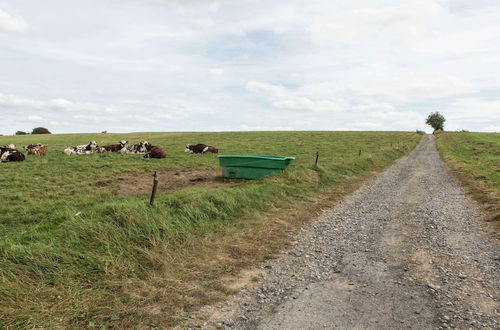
point(475, 159)
point(69, 248)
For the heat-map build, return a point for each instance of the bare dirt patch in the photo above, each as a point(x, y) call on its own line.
point(243, 279)
point(169, 181)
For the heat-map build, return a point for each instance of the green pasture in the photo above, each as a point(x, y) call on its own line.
point(69, 241)
point(476, 158)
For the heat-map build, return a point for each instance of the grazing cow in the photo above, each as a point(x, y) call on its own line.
point(35, 149)
point(138, 148)
point(83, 149)
point(200, 149)
point(10, 155)
point(116, 147)
point(155, 152)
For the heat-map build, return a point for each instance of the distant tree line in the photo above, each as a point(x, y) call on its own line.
point(36, 130)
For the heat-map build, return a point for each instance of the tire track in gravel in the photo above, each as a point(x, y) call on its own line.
point(407, 251)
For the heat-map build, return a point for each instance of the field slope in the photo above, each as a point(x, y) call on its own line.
point(81, 247)
point(475, 160)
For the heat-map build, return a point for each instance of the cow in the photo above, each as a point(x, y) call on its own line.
point(155, 152)
point(200, 149)
point(138, 148)
point(116, 147)
point(10, 146)
point(10, 155)
point(83, 149)
point(29, 146)
point(35, 149)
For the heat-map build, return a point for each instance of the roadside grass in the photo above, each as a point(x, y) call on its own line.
point(76, 253)
point(475, 160)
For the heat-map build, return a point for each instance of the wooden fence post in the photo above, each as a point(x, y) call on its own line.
point(153, 192)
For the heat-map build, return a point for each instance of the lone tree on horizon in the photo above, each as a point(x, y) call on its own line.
point(40, 130)
point(436, 121)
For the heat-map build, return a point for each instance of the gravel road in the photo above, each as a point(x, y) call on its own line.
point(407, 251)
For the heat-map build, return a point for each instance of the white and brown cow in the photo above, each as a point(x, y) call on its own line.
point(200, 149)
point(138, 148)
point(35, 149)
point(83, 149)
point(10, 154)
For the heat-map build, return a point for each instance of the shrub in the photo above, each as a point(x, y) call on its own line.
point(40, 130)
point(436, 121)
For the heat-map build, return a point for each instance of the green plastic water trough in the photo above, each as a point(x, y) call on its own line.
point(253, 167)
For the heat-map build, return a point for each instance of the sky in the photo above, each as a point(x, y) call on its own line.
point(238, 65)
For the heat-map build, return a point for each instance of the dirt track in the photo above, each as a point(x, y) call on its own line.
point(407, 251)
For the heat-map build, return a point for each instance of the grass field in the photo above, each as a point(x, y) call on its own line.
point(475, 159)
point(81, 247)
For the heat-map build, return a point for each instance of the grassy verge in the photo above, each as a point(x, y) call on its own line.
point(475, 160)
point(75, 253)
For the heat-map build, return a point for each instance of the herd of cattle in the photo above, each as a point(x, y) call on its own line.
point(9, 153)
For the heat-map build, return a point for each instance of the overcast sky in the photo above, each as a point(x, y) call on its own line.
point(187, 65)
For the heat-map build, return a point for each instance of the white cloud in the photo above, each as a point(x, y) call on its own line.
point(138, 118)
point(35, 119)
point(86, 118)
point(304, 103)
point(407, 86)
point(216, 71)
point(398, 22)
point(12, 101)
point(283, 98)
point(166, 116)
point(368, 126)
point(474, 110)
point(61, 104)
point(11, 23)
point(495, 129)
point(111, 110)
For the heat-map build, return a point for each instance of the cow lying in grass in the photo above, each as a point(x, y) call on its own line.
point(155, 152)
point(8, 154)
point(115, 147)
point(83, 149)
point(200, 149)
point(35, 149)
point(138, 148)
